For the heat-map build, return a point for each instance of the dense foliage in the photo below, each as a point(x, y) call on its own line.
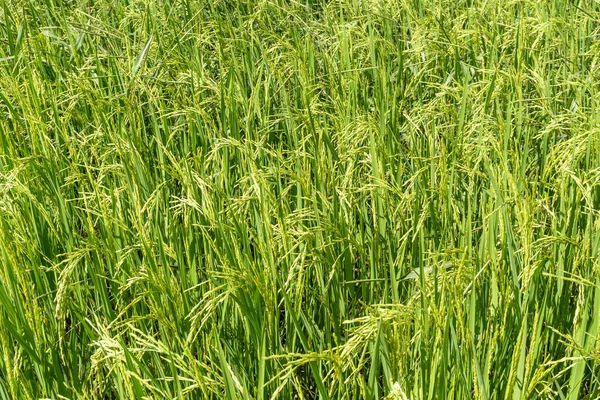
point(348, 199)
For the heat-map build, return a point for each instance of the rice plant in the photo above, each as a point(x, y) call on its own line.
point(281, 199)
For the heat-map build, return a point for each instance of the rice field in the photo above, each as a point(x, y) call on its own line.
point(280, 199)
